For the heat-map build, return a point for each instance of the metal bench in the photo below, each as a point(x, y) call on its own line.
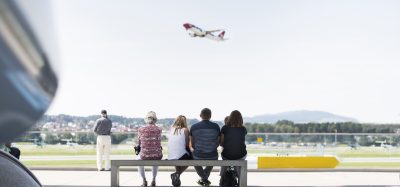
point(115, 165)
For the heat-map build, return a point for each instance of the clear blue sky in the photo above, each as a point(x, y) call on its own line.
point(130, 57)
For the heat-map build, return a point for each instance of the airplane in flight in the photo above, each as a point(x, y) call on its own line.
point(195, 31)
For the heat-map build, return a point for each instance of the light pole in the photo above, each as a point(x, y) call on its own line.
point(335, 137)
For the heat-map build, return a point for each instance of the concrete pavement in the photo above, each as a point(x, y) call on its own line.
point(251, 160)
point(257, 179)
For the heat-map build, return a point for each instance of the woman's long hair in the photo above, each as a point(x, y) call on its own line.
point(180, 123)
point(235, 119)
point(226, 120)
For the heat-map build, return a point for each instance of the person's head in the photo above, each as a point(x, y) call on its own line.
point(235, 119)
point(205, 114)
point(151, 118)
point(104, 113)
point(226, 120)
point(180, 123)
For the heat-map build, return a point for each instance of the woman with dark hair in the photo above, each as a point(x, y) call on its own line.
point(226, 120)
point(233, 140)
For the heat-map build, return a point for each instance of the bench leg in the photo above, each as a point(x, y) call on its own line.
point(114, 176)
point(243, 176)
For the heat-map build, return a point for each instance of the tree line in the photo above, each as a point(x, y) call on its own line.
point(286, 126)
point(281, 126)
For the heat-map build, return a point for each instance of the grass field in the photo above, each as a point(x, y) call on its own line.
point(371, 165)
point(62, 163)
point(81, 150)
point(341, 152)
point(92, 164)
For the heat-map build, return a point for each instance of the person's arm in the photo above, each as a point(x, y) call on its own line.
point(160, 135)
point(96, 126)
point(221, 136)
point(138, 138)
point(192, 143)
point(191, 139)
point(186, 131)
point(110, 126)
point(221, 140)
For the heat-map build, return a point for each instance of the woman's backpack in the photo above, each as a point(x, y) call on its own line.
point(229, 178)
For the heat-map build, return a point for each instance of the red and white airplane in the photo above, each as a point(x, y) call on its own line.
point(198, 32)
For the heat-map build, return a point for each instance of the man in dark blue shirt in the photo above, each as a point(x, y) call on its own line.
point(204, 137)
point(103, 131)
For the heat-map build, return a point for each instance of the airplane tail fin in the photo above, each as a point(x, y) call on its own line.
point(221, 35)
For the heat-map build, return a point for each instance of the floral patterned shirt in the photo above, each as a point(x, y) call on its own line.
point(150, 142)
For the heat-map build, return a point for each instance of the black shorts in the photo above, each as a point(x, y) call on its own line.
point(186, 156)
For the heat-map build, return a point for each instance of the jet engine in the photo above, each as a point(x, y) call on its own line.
point(192, 34)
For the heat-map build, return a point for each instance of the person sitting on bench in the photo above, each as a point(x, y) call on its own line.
point(178, 147)
point(149, 140)
point(233, 135)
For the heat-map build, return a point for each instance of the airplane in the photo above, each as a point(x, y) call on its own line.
point(37, 142)
point(69, 142)
point(195, 31)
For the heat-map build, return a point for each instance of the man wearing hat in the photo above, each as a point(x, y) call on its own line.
point(103, 130)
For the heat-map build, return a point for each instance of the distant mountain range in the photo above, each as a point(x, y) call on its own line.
point(300, 116)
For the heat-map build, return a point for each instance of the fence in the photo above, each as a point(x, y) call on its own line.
point(355, 150)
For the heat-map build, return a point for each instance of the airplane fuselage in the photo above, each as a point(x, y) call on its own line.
point(195, 31)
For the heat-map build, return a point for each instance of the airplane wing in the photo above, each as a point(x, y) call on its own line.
point(210, 31)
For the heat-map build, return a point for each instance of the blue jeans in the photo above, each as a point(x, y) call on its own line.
point(204, 173)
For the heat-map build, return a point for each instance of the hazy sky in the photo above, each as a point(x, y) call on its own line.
point(130, 57)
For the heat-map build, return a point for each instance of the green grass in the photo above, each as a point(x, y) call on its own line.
point(366, 154)
point(62, 163)
point(383, 165)
point(64, 150)
point(56, 152)
point(339, 153)
point(80, 150)
point(92, 164)
point(342, 152)
point(69, 152)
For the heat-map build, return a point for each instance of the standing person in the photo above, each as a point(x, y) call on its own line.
point(103, 131)
point(178, 147)
point(204, 137)
point(149, 139)
point(233, 141)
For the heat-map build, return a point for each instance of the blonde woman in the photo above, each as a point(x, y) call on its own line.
point(150, 144)
point(178, 147)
